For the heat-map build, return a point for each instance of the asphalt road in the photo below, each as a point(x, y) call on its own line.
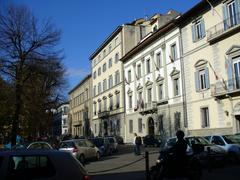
point(125, 165)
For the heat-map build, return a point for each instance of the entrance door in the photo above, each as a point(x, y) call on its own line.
point(150, 126)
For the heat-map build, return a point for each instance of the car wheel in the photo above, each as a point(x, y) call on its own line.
point(98, 156)
point(82, 159)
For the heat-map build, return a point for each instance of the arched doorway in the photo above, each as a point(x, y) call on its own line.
point(150, 126)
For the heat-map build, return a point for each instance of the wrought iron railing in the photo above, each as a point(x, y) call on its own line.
point(223, 26)
point(103, 114)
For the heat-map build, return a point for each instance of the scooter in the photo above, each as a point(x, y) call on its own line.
point(167, 167)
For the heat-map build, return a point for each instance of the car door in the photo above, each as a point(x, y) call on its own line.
point(82, 147)
point(90, 149)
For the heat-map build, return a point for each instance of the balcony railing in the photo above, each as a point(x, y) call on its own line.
point(222, 27)
point(103, 114)
point(149, 108)
point(227, 87)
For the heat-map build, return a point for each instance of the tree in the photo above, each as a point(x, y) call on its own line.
point(24, 42)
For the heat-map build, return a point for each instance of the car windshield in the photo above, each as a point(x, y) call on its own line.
point(197, 140)
point(230, 139)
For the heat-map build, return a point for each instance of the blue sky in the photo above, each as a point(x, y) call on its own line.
point(86, 23)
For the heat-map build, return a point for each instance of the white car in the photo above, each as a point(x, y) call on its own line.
point(39, 145)
point(229, 144)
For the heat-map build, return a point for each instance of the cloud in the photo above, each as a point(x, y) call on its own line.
point(76, 72)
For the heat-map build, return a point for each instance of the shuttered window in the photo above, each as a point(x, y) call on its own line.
point(202, 79)
point(198, 30)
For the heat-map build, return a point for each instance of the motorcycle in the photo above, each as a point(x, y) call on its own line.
point(167, 167)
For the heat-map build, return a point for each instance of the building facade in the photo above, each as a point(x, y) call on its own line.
point(211, 57)
point(61, 120)
point(80, 108)
point(153, 86)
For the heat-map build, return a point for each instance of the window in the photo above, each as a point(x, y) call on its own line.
point(95, 128)
point(202, 79)
point(139, 70)
point(94, 90)
point(116, 57)
point(117, 101)
point(198, 30)
point(110, 47)
point(95, 109)
point(94, 75)
point(111, 103)
point(104, 67)
point(160, 91)
point(99, 106)
point(129, 76)
point(117, 77)
point(177, 117)
point(20, 166)
point(99, 71)
point(230, 14)
point(236, 66)
point(105, 104)
point(205, 117)
point(104, 52)
point(149, 93)
point(173, 52)
point(140, 95)
point(160, 118)
point(159, 59)
point(176, 87)
point(140, 125)
point(130, 126)
point(148, 66)
point(116, 41)
point(99, 88)
point(104, 85)
point(110, 63)
point(110, 81)
point(130, 101)
point(155, 28)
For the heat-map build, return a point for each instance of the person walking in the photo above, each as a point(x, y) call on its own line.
point(137, 141)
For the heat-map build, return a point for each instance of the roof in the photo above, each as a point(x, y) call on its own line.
point(81, 82)
point(109, 38)
point(161, 31)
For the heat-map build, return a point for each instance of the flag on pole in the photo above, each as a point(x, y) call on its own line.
point(126, 81)
point(215, 74)
point(224, 84)
point(156, 66)
point(171, 59)
point(136, 76)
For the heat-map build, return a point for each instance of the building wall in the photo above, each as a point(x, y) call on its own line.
point(213, 53)
point(80, 111)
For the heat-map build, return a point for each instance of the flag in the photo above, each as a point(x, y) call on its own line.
point(171, 59)
point(215, 74)
point(156, 65)
point(224, 84)
point(136, 76)
point(126, 81)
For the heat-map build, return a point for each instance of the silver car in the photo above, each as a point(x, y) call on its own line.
point(82, 149)
point(39, 145)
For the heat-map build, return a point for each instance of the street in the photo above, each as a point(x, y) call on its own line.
point(133, 167)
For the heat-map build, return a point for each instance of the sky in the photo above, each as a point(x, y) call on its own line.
point(85, 24)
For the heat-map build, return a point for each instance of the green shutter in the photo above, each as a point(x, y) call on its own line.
point(197, 81)
point(202, 28)
point(207, 78)
point(193, 33)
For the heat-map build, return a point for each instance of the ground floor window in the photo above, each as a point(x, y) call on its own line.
point(205, 117)
point(130, 126)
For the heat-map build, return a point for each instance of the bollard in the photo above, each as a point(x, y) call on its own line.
point(147, 165)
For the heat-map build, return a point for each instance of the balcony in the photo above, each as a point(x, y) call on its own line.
point(230, 87)
point(149, 108)
point(224, 28)
point(103, 114)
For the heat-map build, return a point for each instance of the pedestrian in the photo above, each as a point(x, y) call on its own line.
point(137, 141)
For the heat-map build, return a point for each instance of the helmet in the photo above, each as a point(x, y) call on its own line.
point(180, 134)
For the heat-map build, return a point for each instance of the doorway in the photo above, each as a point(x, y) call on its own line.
point(150, 126)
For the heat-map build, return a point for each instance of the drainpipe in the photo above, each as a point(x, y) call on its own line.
point(185, 117)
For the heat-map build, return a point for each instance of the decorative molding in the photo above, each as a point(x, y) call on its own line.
point(159, 78)
point(110, 95)
point(200, 63)
point(139, 87)
point(148, 83)
point(174, 72)
point(99, 100)
point(152, 53)
point(129, 91)
point(233, 49)
point(117, 92)
point(104, 97)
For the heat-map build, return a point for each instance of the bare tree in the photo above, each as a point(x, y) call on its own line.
point(23, 42)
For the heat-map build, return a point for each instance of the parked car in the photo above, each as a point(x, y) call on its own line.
point(152, 140)
point(229, 144)
point(215, 153)
point(39, 145)
point(82, 149)
point(113, 143)
point(119, 139)
point(39, 164)
point(102, 144)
